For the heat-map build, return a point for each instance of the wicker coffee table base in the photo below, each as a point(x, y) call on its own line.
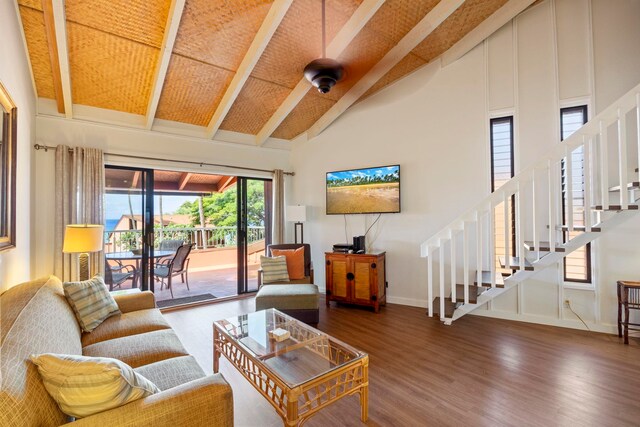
point(296, 405)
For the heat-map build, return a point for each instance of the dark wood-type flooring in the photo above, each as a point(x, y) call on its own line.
point(478, 372)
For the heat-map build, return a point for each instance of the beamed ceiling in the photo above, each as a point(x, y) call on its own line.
point(236, 66)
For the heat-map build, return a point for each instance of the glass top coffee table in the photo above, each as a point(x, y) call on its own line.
point(299, 375)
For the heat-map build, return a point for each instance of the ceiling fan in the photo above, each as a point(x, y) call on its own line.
point(324, 73)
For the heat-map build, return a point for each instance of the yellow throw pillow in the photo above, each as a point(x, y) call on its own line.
point(84, 386)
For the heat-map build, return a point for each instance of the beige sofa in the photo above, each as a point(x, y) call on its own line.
point(35, 318)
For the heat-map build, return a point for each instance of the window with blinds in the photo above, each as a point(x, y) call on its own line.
point(502, 170)
point(577, 265)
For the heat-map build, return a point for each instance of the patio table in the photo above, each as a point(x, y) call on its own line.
point(130, 256)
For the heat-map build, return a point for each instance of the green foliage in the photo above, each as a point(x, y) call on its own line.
point(365, 180)
point(220, 209)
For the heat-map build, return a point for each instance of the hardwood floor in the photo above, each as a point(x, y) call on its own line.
point(478, 372)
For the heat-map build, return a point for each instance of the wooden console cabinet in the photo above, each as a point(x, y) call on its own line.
point(356, 278)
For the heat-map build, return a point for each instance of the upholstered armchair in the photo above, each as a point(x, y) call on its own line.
point(297, 298)
point(308, 267)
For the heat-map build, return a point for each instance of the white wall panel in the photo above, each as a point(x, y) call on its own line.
point(500, 69)
point(573, 34)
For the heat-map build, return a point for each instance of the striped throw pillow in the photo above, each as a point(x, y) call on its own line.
point(274, 269)
point(84, 386)
point(91, 302)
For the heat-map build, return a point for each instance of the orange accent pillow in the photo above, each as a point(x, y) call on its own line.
point(295, 261)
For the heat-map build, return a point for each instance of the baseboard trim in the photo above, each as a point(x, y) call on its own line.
point(543, 320)
point(407, 301)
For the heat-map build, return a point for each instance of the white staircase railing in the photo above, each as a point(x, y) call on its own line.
point(537, 191)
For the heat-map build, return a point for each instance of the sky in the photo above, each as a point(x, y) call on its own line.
point(117, 205)
point(331, 176)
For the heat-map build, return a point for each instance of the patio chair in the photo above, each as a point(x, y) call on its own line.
point(166, 269)
point(170, 245)
point(116, 275)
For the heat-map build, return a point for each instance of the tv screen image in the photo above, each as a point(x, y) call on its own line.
point(364, 191)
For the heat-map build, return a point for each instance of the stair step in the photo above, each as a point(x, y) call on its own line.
point(486, 279)
point(514, 263)
point(616, 208)
point(542, 247)
point(582, 228)
point(630, 186)
point(474, 292)
point(449, 307)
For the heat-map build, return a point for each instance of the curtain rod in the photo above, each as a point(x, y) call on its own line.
point(46, 148)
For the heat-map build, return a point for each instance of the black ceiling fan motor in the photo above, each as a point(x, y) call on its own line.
point(324, 73)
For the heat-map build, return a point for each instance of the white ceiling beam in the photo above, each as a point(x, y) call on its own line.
point(268, 28)
point(56, 29)
point(426, 26)
point(340, 42)
point(493, 23)
point(169, 39)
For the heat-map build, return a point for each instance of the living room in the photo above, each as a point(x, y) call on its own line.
point(433, 118)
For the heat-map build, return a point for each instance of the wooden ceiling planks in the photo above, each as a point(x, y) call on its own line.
point(114, 45)
point(212, 39)
point(385, 29)
point(460, 23)
point(109, 71)
point(192, 90)
point(36, 37)
point(142, 21)
point(295, 43)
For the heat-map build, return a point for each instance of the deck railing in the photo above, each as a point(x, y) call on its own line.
point(203, 238)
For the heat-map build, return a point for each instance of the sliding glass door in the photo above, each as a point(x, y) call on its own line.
point(129, 236)
point(223, 219)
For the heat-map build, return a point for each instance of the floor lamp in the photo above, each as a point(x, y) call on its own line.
point(297, 214)
point(83, 239)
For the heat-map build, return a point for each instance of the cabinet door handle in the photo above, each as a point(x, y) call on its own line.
point(373, 265)
point(328, 262)
point(350, 276)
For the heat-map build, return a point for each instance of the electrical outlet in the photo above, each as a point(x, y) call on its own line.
point(566, 303)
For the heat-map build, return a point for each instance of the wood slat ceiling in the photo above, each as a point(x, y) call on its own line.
point(114, 51)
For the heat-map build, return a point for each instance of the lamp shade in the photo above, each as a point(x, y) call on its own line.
point(81, 238)
point(296, 213)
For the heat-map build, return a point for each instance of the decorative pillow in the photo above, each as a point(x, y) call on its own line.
point(274, 269)
point(295, 261)
point(84, 386)
point(91, 302)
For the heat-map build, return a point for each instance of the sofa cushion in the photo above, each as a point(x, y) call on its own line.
point(122, 325)
point(172, 372)
point(274, 269)
point(141, 349)
point(287, 297)
point(34, 318)
point(84, 386)
point(91, 301)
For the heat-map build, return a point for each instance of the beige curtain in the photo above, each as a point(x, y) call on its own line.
point(278, 207)
point(79, 200)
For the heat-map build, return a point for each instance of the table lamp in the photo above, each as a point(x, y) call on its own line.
point(297, 214)
point(82, 239)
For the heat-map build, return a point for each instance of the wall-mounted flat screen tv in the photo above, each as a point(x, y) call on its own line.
point(364, 191)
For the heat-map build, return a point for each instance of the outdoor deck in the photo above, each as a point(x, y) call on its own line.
point(219, 283)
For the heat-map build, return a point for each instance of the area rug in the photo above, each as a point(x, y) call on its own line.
point(185, 300)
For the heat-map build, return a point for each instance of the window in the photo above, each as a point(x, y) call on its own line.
point(577, 265)
point(502, 170)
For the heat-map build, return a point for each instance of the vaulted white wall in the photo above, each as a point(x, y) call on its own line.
point(434, 123)
point(15, 75)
